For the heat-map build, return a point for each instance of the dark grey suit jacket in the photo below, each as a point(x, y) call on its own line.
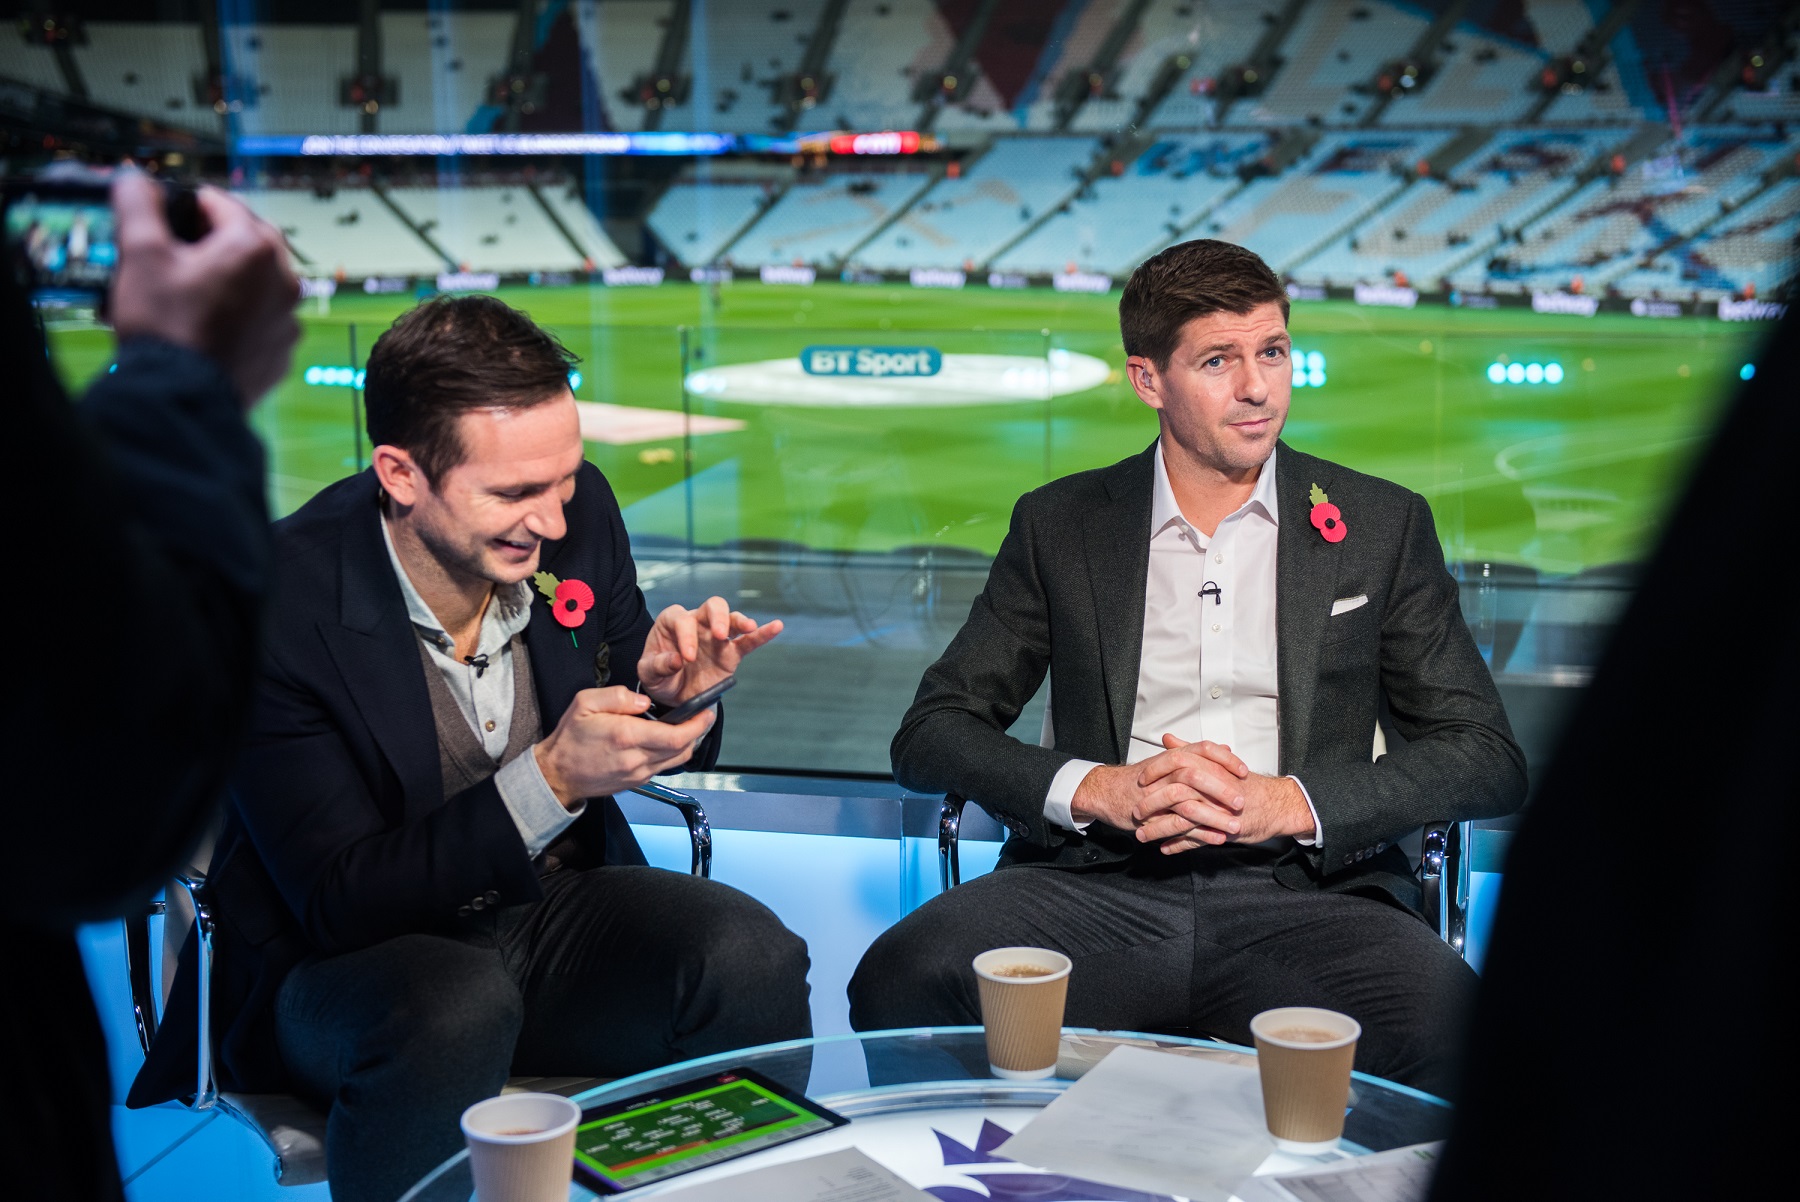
point(1066, 595)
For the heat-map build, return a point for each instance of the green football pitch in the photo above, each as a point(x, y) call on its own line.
point(1561, 476)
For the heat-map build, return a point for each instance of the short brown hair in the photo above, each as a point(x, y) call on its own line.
point(1189, 280)
point(451, 355)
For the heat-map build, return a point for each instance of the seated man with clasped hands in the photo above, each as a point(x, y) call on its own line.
point(424, 884)
point(1221, 616)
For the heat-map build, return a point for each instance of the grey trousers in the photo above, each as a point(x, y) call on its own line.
point(615, 971)
point(1199, 942)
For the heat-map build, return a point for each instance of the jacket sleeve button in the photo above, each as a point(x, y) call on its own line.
point(463, 911)
point(478, 903)
point(492, 896)
point(1349, 858)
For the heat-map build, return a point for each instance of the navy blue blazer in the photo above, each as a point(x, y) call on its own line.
point(340, 836)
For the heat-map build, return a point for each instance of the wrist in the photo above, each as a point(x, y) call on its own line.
point(545, 754)
point(1089, 801)
point(1297, 814)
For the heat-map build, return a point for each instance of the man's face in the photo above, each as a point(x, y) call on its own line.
point(487, 517)
point(1224, 394)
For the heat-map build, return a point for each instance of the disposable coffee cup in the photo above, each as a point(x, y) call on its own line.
point(1304, 1055)
point(521, 1147)
point(1022, 994)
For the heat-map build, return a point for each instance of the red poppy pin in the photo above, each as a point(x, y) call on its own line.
point(1325, 517)
point(569, 600)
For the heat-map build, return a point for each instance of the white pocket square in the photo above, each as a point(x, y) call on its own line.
point(1344, 605)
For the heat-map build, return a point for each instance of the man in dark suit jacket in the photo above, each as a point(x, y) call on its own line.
point(414, 897)
point(159, 526)
point(1206, 833)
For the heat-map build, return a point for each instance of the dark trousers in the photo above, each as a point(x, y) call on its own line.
point(1199, 942)
point(615, 971)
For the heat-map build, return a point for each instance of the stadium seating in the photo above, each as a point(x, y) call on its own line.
point(489, 228)
point(149, 68)
point(565, 200)
point(1560, 24)
point(442, 63)
point(1779, 102)
point(697, 220)
point(1342, 179)
point(1603, 229)
point(1604, 101)
point(1332, 49)
point(882, 47)
point(1213, 44)
point(1479, 81)
point(1756, 248)
point(1091, 23)
point(351, 232)
point(1116, 222)
point(621, 39)
point(293, 72)
point(819, 222)
point(30, 64)
point(965, 221)
point(737, 54)
point(1165, 30)
point(1435, 225)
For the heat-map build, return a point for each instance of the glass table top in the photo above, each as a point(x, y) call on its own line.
point(923, 1103)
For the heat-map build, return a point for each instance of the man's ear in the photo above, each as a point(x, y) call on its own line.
point(399, 474)
point(1146, 381)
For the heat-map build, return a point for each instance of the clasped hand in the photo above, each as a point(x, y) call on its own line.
point(1193, 795)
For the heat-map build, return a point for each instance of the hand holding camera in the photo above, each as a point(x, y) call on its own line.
point(229, 295)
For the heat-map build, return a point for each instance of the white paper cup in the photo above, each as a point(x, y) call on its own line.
point(1023, 1014)
point(521, 1147)
point(1304, 1055)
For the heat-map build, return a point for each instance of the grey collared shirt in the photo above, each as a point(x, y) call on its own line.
point(485, 696)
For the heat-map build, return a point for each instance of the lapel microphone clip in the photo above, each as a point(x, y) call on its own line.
point(1211, 589)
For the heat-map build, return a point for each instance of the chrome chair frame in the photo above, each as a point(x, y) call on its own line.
point(255, 1111)
point(1443, 869)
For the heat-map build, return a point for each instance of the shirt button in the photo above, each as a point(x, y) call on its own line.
point(490, 724)
point(1218, 559)
point(1215, 628)
point(1216, 690)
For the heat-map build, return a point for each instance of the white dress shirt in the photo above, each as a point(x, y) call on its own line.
point(486, 700)
point(1208, 665)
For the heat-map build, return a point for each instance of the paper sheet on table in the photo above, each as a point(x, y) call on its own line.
point(843, 1176)
point(1400, 1175)
point(1154, 1122)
